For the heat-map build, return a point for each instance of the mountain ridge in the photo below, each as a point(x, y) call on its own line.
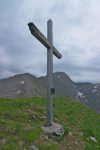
point(27, 85)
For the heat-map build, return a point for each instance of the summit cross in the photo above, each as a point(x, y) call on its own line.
point(48, 43)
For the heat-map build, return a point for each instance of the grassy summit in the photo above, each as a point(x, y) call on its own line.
point(21, 120)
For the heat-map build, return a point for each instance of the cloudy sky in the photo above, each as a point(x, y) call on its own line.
point(76, 29)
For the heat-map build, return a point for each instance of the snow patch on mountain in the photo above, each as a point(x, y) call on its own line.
point(94, 91)
point(80, 95)
point(95, 87)
point(22, 82)
point(18, 92)
point(86, 101)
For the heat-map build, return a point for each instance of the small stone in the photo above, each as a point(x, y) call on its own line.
point(70, 147)
point(29, 110)
point(3, 141)
point(76, 143)
point(45, 137)
point(70, 133)
point(21, 143)
point(56, 119)
point(93, 139)
point(81, 133)
point(43, 118)
point(18, 92)
point(35, 115)
point(34, 147)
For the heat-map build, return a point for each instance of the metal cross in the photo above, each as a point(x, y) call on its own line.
point(48, 43)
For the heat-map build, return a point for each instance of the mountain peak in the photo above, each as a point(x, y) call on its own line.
point(61, 75)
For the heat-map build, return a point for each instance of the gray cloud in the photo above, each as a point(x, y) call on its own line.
point(76, 35)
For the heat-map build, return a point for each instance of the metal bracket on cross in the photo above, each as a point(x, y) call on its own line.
point(48, 43)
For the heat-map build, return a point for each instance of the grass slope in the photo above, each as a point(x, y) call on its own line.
point(21, 120)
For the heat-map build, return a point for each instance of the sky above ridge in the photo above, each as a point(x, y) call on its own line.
point(76, 34)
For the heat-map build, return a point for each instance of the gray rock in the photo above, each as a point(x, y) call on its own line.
point(54, 129)
point(93, 139)
point(21, 143)
point(45, 137)
point(34, 147)
point(3, 141)
point(76, 143)
point(70, 133)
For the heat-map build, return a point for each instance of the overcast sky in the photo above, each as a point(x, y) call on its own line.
point(76, 34)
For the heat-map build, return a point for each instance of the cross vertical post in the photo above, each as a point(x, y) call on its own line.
point(49, 72)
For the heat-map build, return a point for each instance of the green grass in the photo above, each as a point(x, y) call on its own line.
point(21, 120)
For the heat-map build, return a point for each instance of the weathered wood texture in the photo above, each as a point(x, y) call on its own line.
point(37, 33)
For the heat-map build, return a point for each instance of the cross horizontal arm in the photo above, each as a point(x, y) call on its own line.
point(36, 32)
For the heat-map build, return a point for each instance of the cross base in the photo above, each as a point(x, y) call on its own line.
point(54, 129)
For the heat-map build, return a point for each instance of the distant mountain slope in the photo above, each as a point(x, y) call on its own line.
point(22, 85)
point(89, 94)
point(63, 85)
point(27, 85)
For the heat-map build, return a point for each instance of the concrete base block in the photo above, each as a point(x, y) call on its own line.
point(54, 129)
